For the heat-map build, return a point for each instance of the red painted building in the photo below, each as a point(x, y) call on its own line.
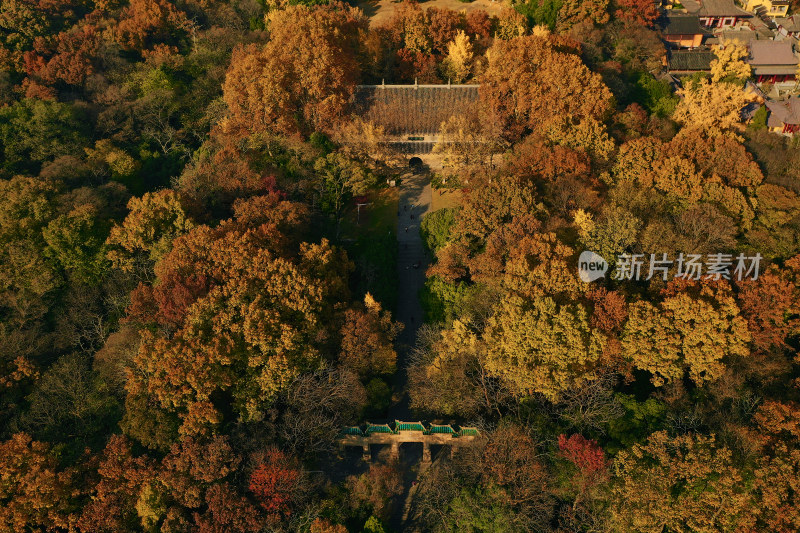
point(717, 13)
point(773, 61)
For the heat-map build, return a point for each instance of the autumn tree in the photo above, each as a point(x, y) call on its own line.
point(510, 24)
point(448, 373)
point(575, 12)
point(529, 82)
point(368, 340)
point(35, 493)
point(731, 63)
point(279, 305)
point(769, 304)
point(775, 230)
point(541, 347)
point(144, 23)
point(510, 461)
point(465, 146)
point(302, 80)
point(642, 12)
point(273, 481)
point(409, 29)
point(444, 27)
point(588, 458)
point(716, 156)
point(219, 175)
point(684, 483)
point(536, 158)
point(121, 476)
point(147, 232)
point(192, 485)
point(460, 55)
point(686, 332)
point(69, 60)
point(613, 231)
point(711, 107)
point(588, 135)
point(228, 511)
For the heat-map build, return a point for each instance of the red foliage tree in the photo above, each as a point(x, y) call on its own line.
point(768, 304)
point(67, 59)
point(273, 483)
point(587, 456)
point(113, 496)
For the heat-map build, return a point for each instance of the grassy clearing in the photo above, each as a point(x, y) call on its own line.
point(371, 243)
point(442, 198)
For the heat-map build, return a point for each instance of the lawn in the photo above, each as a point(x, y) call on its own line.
point(442, 198)
point(371, 243)
point(380, 11)
point(377, 218)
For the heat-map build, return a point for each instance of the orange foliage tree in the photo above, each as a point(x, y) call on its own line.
point(302, 80)
point(529, 81)
point(273, 481)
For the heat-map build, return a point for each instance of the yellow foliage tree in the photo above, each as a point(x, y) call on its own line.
point(731, 63)
point(154, 221)
point(685, 334)
point(530, 81)
point(678, 177)
point(589, 135)
point(684, 484)
point(711, 107)
point(459, 57)
point(540, 347)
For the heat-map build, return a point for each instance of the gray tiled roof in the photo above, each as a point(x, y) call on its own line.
point(790, 24)
point(690, 60)
point(682, 24)
point(404, 109)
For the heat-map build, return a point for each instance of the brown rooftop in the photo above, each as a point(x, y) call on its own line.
point(784, 112)
point(772, 53)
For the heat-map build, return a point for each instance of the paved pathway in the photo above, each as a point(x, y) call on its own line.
point(415, 202)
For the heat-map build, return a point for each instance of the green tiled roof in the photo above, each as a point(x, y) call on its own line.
point(408, 426)
point(378, 428)
point(442, 429)
point(468, 432)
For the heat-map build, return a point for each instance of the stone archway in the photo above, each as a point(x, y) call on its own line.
point(415, 163)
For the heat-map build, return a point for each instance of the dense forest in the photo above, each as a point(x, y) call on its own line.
point(188, 315)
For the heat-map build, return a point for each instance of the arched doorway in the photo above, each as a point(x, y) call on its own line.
point(415, 163)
